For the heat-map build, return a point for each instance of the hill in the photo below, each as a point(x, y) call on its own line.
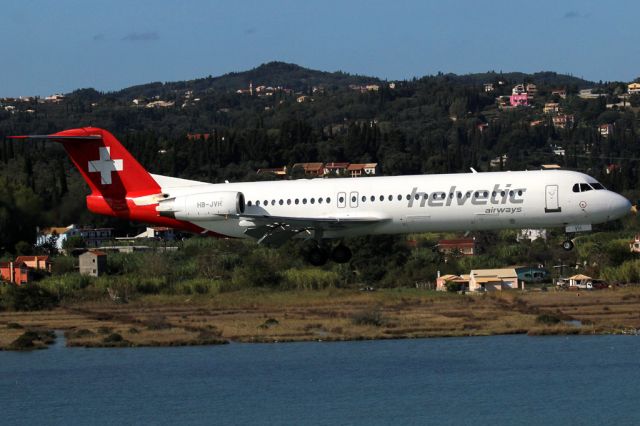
point(274, 74)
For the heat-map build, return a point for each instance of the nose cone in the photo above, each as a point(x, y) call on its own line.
point(618, 206)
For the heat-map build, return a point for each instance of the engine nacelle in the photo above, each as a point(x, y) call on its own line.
point(205, 206)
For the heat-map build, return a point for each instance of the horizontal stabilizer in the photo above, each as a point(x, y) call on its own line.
point(54, 137)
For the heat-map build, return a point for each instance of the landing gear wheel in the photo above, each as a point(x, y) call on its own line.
point(341, 254)
point(567, 245)
point(317, 256)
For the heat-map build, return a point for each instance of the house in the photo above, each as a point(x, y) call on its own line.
point(519, 100)
point(634, 246)
point(310, 169)
point(338, 169)
point(518, 89)
point(35, 262)
point(605, 130)
point(160, 104)
point(278, 171)
point(93, 237)
point(198, 136)
point(551, 108)
point(357, 170)
point(498, 161)
point(303, 98)
point(633, 88)
point(461, 246)
point(532, 274)
point(531, 89)
point(493, 279)
point(488, 87)
point(93, 263)
point(580, 281)
point(14, 272)
point(562, 93)
point(531, 234)
point(158, 233)
point(563, 121)
point(462, 280)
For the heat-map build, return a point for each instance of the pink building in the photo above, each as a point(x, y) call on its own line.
point(521, 99)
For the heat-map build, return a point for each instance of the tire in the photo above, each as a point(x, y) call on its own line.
point(567, 245)
point(341, 254)
point(317, 256)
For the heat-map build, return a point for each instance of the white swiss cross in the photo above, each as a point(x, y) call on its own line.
point(105, 165)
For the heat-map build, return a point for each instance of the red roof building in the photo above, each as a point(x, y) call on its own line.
point(14, 272)
point(463, 246)
point(35, 262)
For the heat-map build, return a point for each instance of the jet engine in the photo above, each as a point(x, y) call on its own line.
point(205, 206)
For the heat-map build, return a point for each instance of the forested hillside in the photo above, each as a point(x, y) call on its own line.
point(279, 114)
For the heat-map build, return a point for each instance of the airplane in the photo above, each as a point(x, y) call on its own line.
point(319, 210)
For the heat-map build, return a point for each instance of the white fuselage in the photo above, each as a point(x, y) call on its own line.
point(420, 203)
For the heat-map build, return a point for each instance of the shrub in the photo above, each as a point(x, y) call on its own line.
point(29, 297)
point(310, 279)
point(549, 319)
point(369, 317)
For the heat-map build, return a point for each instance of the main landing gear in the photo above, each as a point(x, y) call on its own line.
point(567, 245)
point(318, 255)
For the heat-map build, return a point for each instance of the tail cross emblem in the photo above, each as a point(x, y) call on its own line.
point(105, 165)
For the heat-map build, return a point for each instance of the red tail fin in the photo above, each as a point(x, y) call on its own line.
point(110, 170)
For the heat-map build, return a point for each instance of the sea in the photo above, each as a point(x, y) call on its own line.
point(500, 380)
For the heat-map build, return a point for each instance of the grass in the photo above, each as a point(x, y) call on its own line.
point(258, 315)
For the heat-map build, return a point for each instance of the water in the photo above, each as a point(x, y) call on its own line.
point(509, 380)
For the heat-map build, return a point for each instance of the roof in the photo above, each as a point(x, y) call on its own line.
point(95, 252)
point(458, 242)
point(580, 277)
point(449, 277)
point(493, 273)
point(31, 258)
point(54, 229)
point(336, 165)
point(360, 166)
point(15, 264)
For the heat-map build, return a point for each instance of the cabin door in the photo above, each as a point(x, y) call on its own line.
point(552, 203)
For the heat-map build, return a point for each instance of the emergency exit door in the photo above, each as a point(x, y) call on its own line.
point(552, 201)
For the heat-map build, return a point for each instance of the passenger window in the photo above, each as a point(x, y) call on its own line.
point(341, 200)
point(382, 198)
point(297, 201)
point(320, 200)
point(266, 202)
point(390, 197)
point(585, 187)
point(364, 198)
point(328, 200)
point(249, 203)
point(576, 187)
point(313, 201)
point(304, 201)
point(289, 201)
point(373, 198)
point(281, 202)
point(399, 197)
point(258, 203)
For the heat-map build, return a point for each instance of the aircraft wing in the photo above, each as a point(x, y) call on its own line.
point(276, 230)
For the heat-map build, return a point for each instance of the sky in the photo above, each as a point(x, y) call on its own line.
point(57, 46)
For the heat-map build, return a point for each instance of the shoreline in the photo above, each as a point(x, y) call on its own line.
point(328, 315)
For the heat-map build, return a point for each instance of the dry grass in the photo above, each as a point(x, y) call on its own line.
point(269, 316)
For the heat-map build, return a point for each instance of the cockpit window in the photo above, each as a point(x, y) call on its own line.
point(584, 187)
point(576, 187)
point(598, 186)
